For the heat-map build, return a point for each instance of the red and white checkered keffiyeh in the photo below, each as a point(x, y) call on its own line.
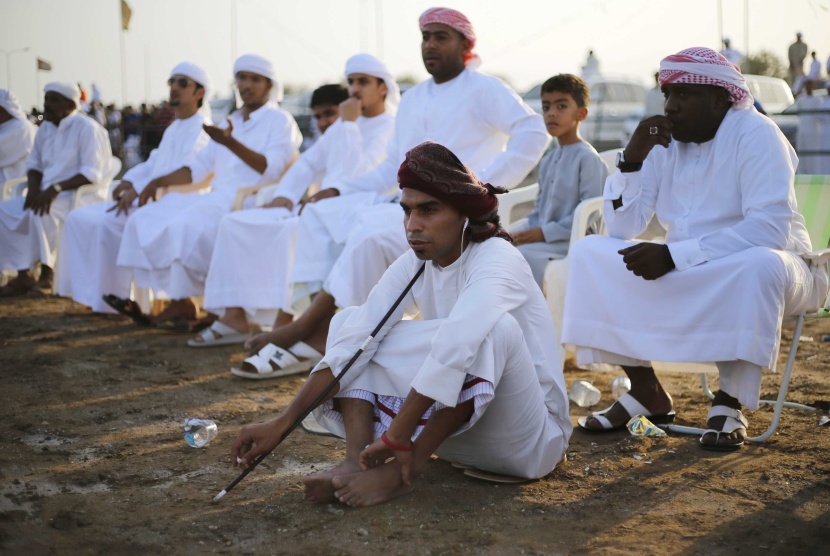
point(704, 66)
point(459, 22)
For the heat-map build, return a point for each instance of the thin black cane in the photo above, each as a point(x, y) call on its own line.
point(328, 389)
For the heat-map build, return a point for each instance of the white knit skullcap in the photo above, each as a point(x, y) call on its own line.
point(259, 65)
point(65, 89)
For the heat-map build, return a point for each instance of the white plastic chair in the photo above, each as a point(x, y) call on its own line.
point(97, 192)
point(15, 188)
point(813, 197)
point(587, 217)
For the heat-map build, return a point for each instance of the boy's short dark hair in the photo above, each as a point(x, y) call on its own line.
point(570, 84)
point(329, 94)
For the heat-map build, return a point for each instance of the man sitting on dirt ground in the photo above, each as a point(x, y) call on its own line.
point(71, 149)
point(168, 245)
point(722, 187)
point(343, 252)
point(476, 380)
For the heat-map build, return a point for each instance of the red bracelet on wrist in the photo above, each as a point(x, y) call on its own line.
point(396, 447)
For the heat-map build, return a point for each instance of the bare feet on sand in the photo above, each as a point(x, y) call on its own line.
point(369, 488)
point(319, 488)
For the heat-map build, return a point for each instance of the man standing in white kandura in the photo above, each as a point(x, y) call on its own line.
point(249, 271)
point(474, 115)
point(71, 149)
point(168, 245)
point(92, 235)
point(719, 177)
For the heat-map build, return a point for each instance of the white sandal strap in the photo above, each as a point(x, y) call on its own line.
point(724, 411)
point(215, 331)
point(259, 363)
point(302, 349)
point(606, 424)
point(282, 358)
point(632, 406)
point(223, 329)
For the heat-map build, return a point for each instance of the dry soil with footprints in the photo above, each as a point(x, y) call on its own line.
point(92, 461)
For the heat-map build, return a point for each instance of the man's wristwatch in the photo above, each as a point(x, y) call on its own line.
point(624, 166)
point(57, 187)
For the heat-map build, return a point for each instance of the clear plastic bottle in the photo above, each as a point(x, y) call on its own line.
point(619, 386)
point(584, 394)
point(198, 433)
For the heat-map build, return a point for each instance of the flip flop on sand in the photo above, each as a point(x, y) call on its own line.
point(273, 362)
point(127, 307)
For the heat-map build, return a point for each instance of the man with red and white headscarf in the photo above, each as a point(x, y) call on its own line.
point(344, 244)
point(476, 380)
point(718, 175)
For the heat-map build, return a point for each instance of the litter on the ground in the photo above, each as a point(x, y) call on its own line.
point(640, 426)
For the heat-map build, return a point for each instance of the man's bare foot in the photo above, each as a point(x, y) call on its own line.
point(44, 282)
point(257, 342)
point(369, 488)
point(319, 487)
point(178, 309)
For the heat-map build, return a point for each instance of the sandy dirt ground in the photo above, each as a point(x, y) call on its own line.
point(92, 461)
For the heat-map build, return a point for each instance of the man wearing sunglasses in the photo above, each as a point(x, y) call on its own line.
point(168, 245)
point(92, 235)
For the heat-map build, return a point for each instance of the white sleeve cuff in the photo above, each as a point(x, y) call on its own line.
point(439, 382)
point(686, 254)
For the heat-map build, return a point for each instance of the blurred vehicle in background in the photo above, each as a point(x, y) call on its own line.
point(299, 106)
point(614, 101)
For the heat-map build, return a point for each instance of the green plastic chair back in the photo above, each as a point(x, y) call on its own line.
point(813, 196)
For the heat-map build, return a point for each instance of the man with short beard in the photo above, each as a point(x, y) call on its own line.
point(92, 235)
point(168, 245)
point(70, 150)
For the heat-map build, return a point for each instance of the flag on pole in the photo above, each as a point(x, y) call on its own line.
point(43, 65)
point(126, 14)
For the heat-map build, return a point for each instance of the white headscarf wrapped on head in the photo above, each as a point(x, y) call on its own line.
point(369, 65)
point(259, 65)
point(199, 75)
point(65, 89)
point(9, 102)
point(704, 66)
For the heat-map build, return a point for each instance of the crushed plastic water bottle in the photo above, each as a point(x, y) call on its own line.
point(198, 433)
point(584, 394)
point(640, 426)
point(619, 386)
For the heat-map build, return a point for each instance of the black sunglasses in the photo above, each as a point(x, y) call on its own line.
point(182, 82)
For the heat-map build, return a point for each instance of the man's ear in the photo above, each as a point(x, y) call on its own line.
point(582, 113)
point(722, 98)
